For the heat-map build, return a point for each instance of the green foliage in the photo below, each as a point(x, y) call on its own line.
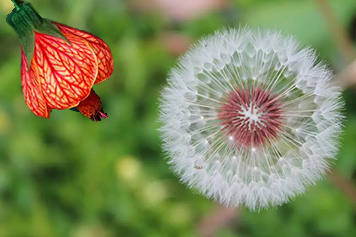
point(69, 176)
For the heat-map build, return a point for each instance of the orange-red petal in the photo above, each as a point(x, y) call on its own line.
point(66, 72)
point(31, 88)
point(101, 49)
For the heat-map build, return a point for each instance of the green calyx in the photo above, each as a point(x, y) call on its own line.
point(25, 21)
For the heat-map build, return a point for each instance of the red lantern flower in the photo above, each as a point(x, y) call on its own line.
point(59, 64)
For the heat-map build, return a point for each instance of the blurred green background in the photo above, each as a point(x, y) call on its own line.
point(69, 176)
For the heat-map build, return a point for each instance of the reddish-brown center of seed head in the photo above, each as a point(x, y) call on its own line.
point(251, 117)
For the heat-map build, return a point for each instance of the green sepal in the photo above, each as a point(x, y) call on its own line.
point(48, 28)
point(25, 21)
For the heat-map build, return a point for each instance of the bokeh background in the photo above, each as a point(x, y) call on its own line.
point(69, 176)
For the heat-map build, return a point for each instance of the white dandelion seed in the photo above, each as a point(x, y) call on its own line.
point(249, 118)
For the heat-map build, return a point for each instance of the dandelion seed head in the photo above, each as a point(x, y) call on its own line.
point(250, 118)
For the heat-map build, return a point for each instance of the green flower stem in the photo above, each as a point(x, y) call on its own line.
point(16, 5)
